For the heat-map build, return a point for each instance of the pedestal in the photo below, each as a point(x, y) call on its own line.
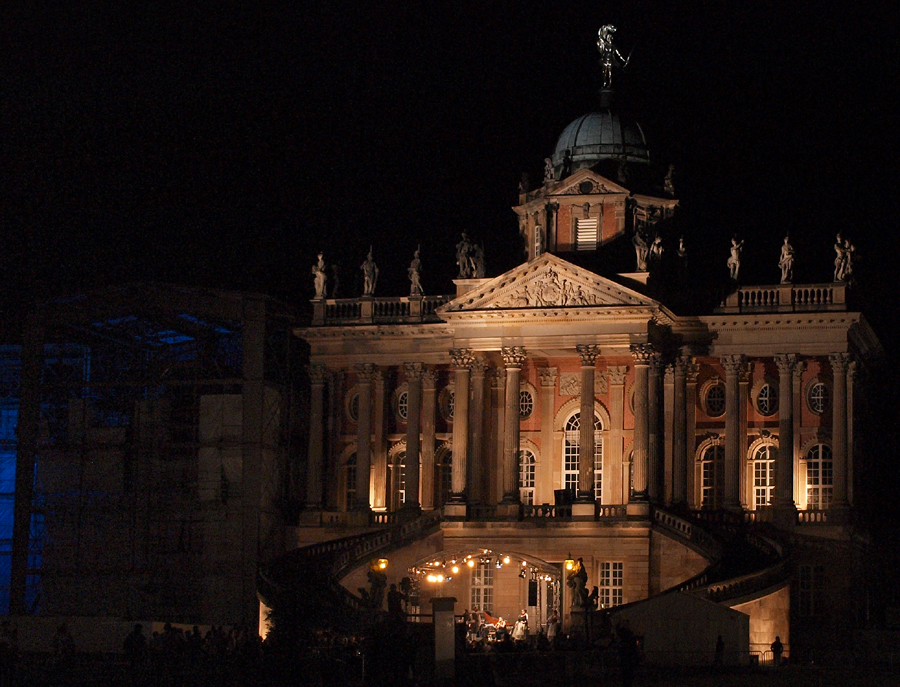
point(444, 639)
point(583, 511)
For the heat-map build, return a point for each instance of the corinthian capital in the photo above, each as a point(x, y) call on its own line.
point(413, 371)
point(734, 364)
point(513, 356)
point(366, 372)
point(462, 357)
point(786, 362)
point(588, 354)
point(617, 374)
point(479, 367)
point(317, 373)
point(548, 375)
point(840, 362)
point(642, 353)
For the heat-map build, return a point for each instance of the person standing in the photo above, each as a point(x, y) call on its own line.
point(777, 650)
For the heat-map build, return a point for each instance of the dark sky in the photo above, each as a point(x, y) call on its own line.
point(223, 144)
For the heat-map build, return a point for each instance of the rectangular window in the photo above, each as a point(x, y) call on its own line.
point(811, 590)
point(763, 481)
point(482, 587)
point(586, 233)
point(611, 584)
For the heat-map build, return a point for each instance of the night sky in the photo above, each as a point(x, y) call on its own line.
point(223, 144)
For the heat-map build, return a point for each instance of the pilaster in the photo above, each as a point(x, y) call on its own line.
point(477, 482)
point(642, 354)
point(429, 409)
point(784, 468)
point(548, 377)
point(734, 366)
point(654, 445)
point(365, 373)
point(613, 487)
point(840, 363)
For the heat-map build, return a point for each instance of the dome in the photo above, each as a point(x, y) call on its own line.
point(603, 135)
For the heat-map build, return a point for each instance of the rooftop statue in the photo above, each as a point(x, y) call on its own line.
point(609, 54)
point(470, 259)
point(319, 276)
point(415, 271)
point(641, 249)
point(843, 261)
point(370, 274)
point(786, 262)
point(549, 174)
point(734, 262)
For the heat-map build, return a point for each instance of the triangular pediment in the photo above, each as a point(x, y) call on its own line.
point(587, 182)
point(548, 283)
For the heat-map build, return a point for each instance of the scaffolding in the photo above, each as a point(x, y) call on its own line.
point(158, 435)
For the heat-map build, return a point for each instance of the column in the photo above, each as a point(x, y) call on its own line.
point(852, 376)
point(641, 353)
point(669, 435)
point(462, 359)
point(797, 403)
point(588, 354)
point(477, 493)
point(613, 487)
point(513, 359)
point(548, 377)
point(679, 430)
point(654, 446)
point(365, 373)
point(413, 373)
point(839, 366)
point(784, 468)
point(733, 365)
point(429, 407)
point(317, 375)
point(497, 428)
point(381, 488)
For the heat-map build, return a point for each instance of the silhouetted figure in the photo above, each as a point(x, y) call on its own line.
point(395, 599)
point(720, 650)
point(135, 646)
point(777, 650)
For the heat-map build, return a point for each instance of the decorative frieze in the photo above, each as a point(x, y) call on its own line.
point(570, 384)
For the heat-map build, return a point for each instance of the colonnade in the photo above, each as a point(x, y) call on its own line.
point(665, 400)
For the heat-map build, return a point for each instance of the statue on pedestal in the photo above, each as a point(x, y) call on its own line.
point(319, 276)
point(577, 582)
point(641, 249)
point(549, 174)
point(470, 259)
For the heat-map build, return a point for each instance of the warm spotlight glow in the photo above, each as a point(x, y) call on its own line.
point(471, 563)
point(454, 569)
point(506, 560)
point(570, 564)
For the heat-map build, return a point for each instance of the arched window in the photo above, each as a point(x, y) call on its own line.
point(819, 477)
point(818, 397)
point(403, 406)
point(767, 399)
point(526, 477)
point(714, 400)
point(526, 404)
point(571, 451)
point(764, 474)
point(712, 475)
point(350, 481)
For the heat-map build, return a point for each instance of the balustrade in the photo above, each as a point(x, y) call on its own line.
point(785, 298)
point(339, 311)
